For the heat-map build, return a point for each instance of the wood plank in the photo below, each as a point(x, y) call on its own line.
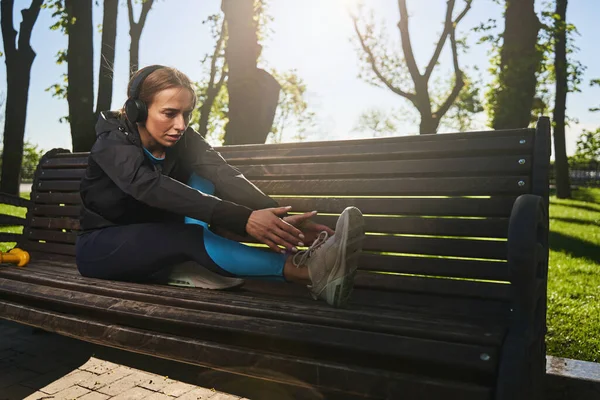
point(10, 237)
point(295, 371)
point(488, 249)
point(74, 173)
point(388, 321)
point(527, 134)
point(488, 228)
point(475, 269)
point(56, 211)
point(52, 236)
point(468, 166)
point(58, 186)
point(11, 220)
point(376, 150)
point(48, 248)
point(66, 160)
point(474, 186)
point(452, 206)
point(445, 287)
point(55, 223)
point(58, 198)
point(267, 334)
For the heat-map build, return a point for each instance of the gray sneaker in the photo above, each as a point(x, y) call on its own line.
point(332, 261)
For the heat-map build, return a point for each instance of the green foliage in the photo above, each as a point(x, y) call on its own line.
point(293, 112)
point(376, 123)
point(546, 78)
point(31, 157)
point(588, 147)
point(595, 82)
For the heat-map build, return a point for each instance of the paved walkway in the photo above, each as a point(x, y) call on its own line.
point(39, 365)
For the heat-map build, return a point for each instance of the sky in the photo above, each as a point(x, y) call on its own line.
point(314, 37)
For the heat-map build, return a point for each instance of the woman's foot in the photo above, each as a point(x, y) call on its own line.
point(332, 261)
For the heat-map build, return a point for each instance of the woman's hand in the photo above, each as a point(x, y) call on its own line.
point(309, 228)
point(267, 227)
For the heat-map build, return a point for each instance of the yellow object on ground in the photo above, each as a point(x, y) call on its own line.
point(15, 256)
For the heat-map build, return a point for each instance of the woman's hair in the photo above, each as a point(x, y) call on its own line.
point(159, 80)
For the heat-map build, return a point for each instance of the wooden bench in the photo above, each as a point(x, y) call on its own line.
point(450, 298)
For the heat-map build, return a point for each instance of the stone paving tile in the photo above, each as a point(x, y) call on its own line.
point(198, 394)
point(135, 393)
point(70, 393)
point(224, 396)
point(125, 384)
point(38, 396)
point(94, 396)
point(97, 366)
point(99, 381)
point(155, 383)
point(42, 380)
point(159, 396)
point(67, 382)
point(176, 389)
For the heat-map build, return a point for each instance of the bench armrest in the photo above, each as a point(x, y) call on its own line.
point(522, 359)
point(527, 257)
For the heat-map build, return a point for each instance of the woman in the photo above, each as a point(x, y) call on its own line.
point(148, 170)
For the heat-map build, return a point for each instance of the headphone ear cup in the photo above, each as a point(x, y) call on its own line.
point(136, 110)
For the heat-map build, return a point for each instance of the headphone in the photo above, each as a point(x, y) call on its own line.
point(135, 109)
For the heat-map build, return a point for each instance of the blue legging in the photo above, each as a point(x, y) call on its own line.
point(232, 256)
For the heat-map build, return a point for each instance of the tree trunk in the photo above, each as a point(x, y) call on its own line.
point(253, 92)
point(80, 92)
point(519, 62)
point(561, 164)
point(135, 32)
point(107, 56)
point(18, 71)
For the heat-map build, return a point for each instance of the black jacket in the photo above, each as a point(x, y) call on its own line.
point(121, 186)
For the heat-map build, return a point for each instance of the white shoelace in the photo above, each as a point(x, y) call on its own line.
point(306, 254)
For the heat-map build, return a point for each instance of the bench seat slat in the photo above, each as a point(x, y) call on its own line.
point(56, 211)
point(53, 236)
point(452, 206)
point(417, 149)
point(390, 321)
point(274, 335)
point(277, 368)
point(502, 165)
point(58, 198)
point(11, 220)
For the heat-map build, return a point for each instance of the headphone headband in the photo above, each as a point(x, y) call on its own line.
point(134, 90)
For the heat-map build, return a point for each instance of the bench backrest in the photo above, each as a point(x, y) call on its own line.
point(437, 206)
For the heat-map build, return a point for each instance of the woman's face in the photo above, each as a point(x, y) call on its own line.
point(168, 116)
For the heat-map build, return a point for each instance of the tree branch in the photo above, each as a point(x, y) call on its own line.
point(373, 63)
point(146, 6)
point(218, 48)
point(8, 30)
point(130, 13)
point(459, 82)
point(409, 56)
point(29, 17)
point(440, 45)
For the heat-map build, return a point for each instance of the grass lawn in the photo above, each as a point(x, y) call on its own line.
point(574, 276)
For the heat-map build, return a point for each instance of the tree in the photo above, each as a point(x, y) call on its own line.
point(253, 92)
point(135, 31)
point(511, 98)
point(561, 165)
point(209, 92)
point(31, 158)
point(588, 146)
point(395, 72)
point(107, 56)
point(80, 71)
point(19, 58)
point(376, 122)
point(595, 82)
